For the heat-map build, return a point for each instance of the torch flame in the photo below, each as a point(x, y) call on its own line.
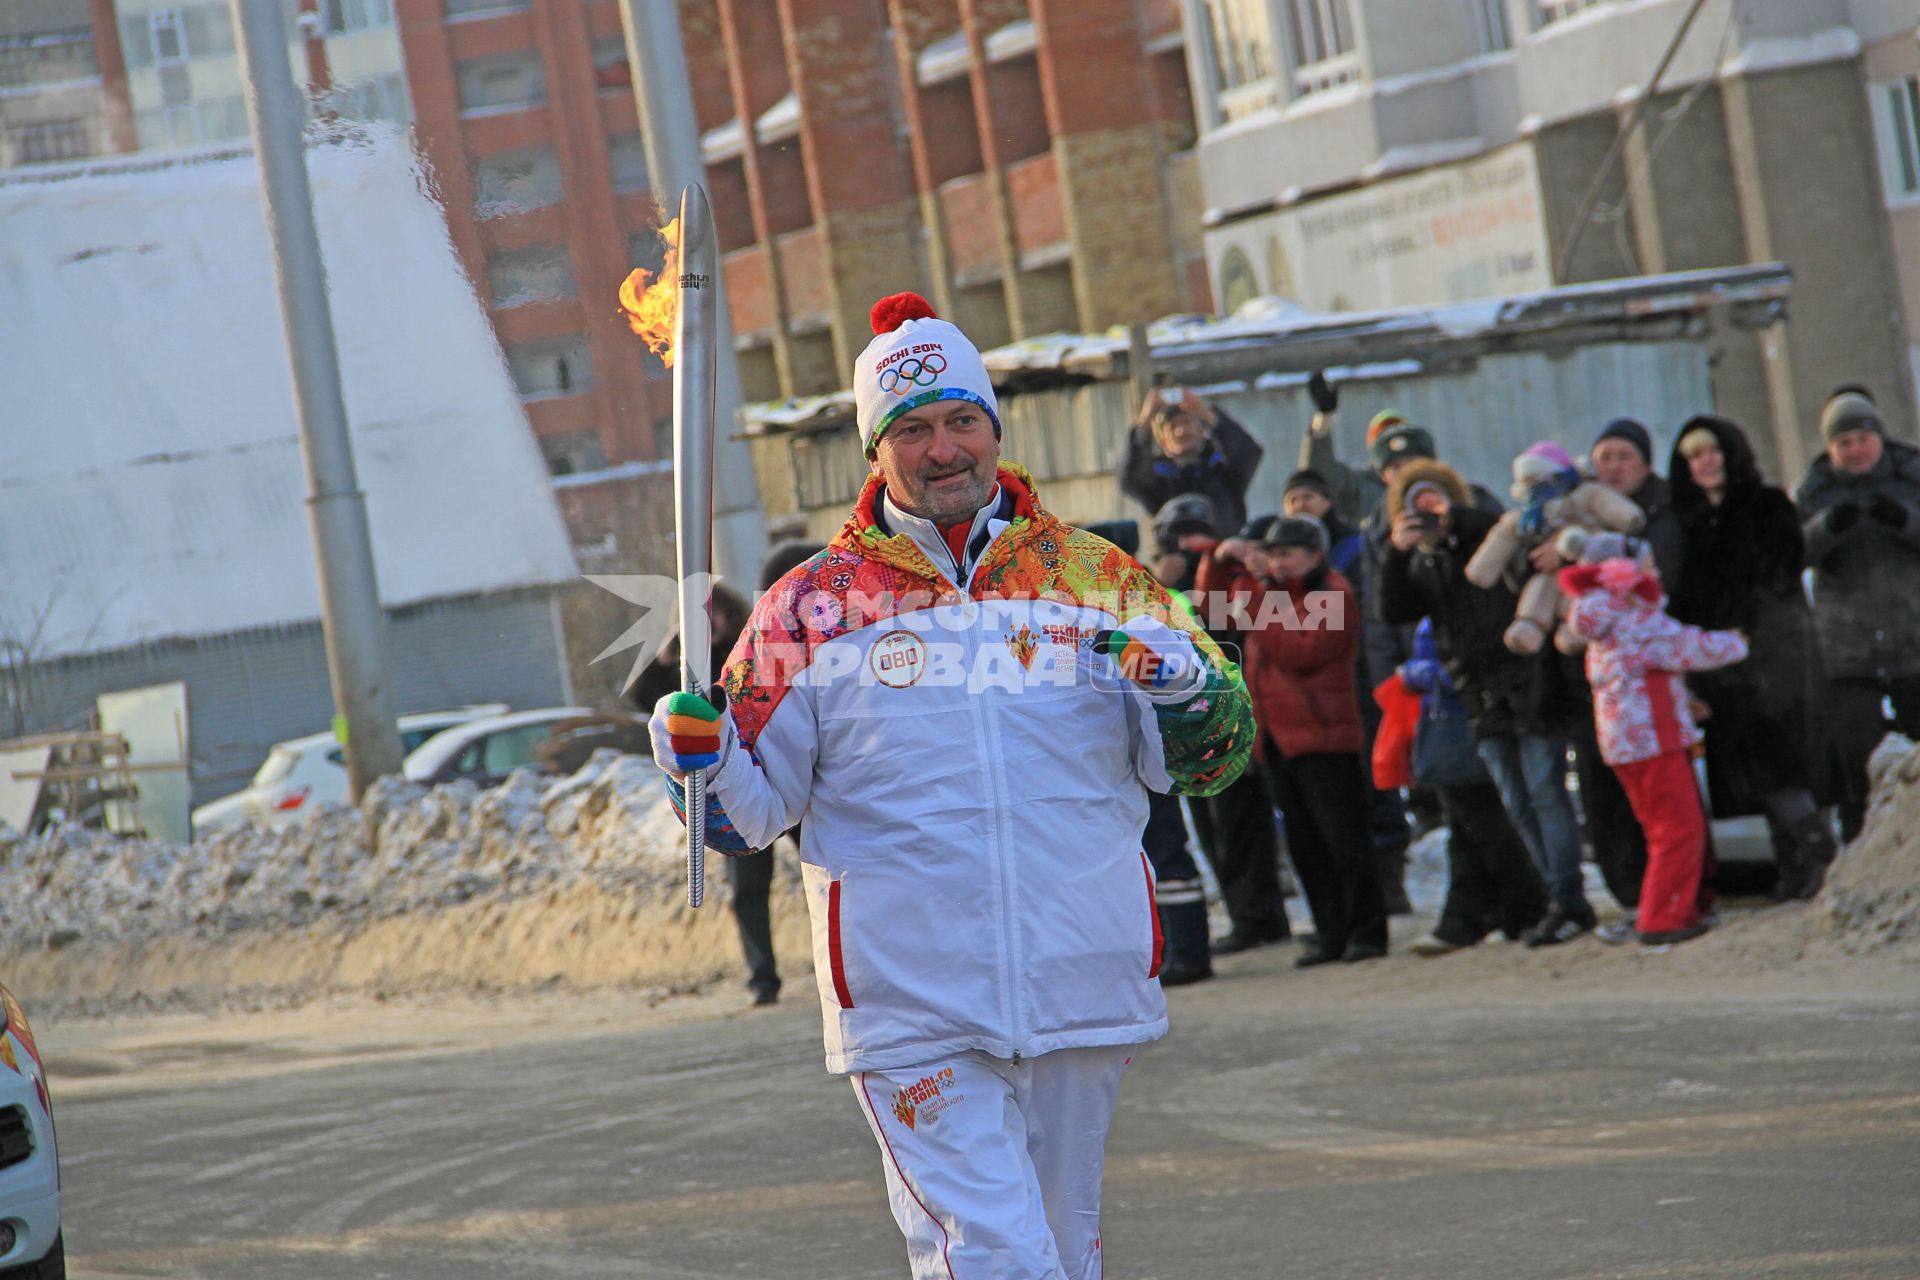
point(652, 302)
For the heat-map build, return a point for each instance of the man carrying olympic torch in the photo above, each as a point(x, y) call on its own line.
point(967, 701)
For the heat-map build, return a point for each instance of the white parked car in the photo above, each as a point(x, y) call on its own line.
point(30, 1243)
point(306, 772)
point(486, 751)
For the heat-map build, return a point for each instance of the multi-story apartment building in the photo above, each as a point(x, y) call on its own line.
point(1024, 164)
point(57, 78)
point(525, 112)
point(1361, 153)
point(183, 81)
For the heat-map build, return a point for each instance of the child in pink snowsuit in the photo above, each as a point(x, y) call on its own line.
point(1636, 653)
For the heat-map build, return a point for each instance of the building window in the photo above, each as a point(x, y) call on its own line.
point(610, 68)
point(1898, 121)
point(646, 249)
point(1243, 52)
point(546, 367)
point(627, 158)
point(538, 273)
point(1491, 25)
point(1548, 12)
point(169, 45)
point(503, 81)
point(475, 8)
point(343, 16)
point(571, 452)
point(49, 58)
point(220, 119)
point(1322, 37)
point(1238, 284)
point(49, 142)
point(181, 128)
point(511, 182)
point(208, 28)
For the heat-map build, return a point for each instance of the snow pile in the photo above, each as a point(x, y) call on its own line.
point(404, 851)
point(1872, 897)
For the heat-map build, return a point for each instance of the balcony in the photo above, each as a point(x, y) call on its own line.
point(803, 279)
point(1328, 73)
point(973, 240)
point(1039, 215)
point(749, 295)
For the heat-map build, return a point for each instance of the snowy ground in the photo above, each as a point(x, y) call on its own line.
point(580, 882)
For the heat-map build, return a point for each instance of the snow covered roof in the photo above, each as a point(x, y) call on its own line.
point(151, 484)
point(723, 142)
point(945, 59)
point(781, 120)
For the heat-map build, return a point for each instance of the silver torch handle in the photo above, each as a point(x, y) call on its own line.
point(693, 432)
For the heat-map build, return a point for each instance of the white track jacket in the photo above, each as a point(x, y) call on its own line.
point(970, 781)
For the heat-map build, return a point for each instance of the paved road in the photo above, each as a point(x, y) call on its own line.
point(1283, 1132)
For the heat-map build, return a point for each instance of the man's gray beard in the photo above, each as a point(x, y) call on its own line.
point(962, 507)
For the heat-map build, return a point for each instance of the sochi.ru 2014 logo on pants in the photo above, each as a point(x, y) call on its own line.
point(922, 1101)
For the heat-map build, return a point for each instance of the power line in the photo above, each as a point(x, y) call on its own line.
point(1588, 201)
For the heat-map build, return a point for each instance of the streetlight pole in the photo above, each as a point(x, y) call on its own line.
point(350, 615)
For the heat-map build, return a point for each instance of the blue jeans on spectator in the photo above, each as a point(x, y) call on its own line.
point(1531, 773)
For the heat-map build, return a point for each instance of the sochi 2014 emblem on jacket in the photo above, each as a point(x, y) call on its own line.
point(1024, 645)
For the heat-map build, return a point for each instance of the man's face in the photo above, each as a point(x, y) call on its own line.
point(1290, 563)
point(938, 461)
point(1306, 502)
point(1619, 466)
point(1180, 434)
point(1393, 468)
point(1856, 452)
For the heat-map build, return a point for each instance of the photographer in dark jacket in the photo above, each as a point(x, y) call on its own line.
point(1515, 705)
point(1860, 513)
point(1181, 444)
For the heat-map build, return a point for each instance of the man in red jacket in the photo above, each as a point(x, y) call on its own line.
point(1304, 624)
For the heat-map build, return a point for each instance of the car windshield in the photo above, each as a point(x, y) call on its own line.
point(279, 764)
point(510, 749)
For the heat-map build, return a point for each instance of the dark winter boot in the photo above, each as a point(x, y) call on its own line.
point(1393, 880)
point(1183, 930)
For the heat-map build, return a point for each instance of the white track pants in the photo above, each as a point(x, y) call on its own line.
point(993, 1170)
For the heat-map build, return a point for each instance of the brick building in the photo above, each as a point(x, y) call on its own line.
point(1022, 164)
point(525, 111)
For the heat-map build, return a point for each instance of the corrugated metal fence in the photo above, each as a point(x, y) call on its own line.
point(1482, 413)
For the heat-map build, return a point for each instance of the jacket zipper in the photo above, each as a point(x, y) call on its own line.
point(996, 774)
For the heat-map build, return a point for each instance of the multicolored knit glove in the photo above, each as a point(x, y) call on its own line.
point(687, 734)
point(1160, 660)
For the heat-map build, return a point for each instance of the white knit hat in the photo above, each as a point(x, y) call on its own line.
point(915, 358)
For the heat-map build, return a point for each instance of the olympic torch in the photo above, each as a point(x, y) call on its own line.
point(693, 398)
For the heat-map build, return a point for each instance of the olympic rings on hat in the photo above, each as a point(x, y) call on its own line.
point(913, 372)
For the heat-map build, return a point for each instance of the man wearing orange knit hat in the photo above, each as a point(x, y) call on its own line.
point(964, 702)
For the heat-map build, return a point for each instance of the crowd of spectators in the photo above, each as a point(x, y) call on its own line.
point(1538, 674)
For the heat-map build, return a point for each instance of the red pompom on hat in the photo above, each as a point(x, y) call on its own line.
point(896, 309)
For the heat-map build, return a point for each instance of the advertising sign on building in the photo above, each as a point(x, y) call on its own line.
point(1445, 234)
